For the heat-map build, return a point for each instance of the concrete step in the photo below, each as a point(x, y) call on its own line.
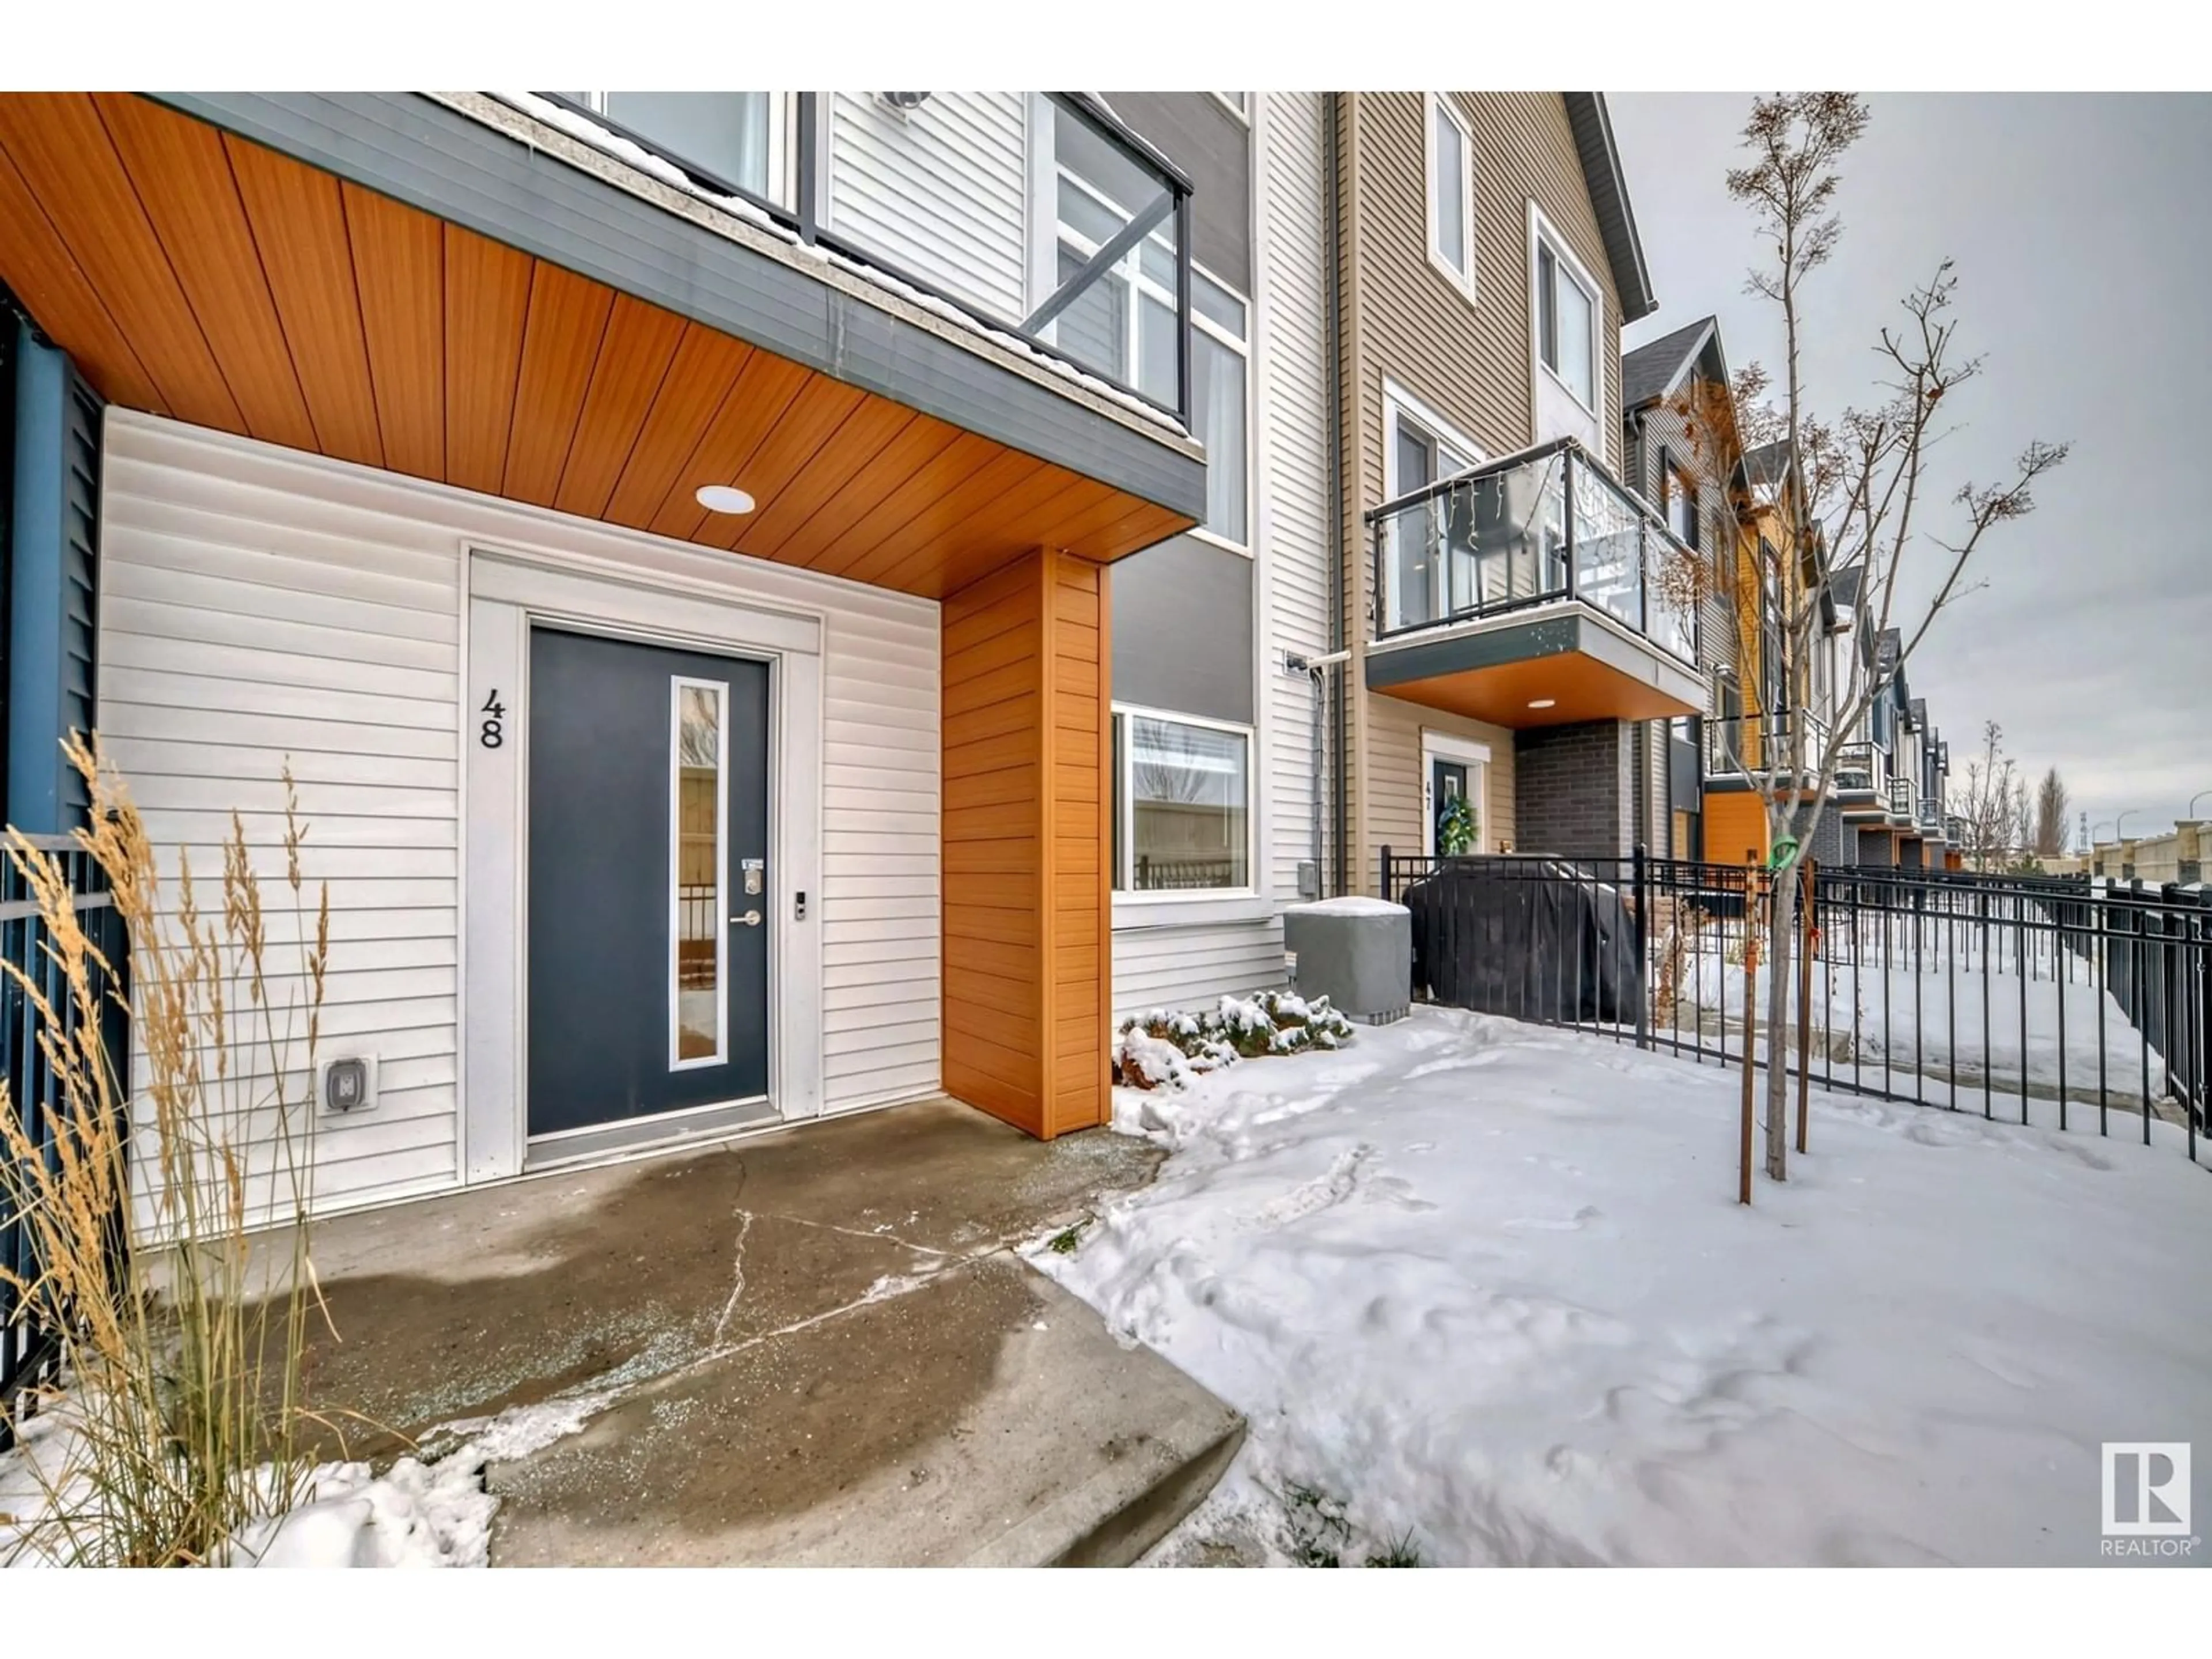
point(978, 1415)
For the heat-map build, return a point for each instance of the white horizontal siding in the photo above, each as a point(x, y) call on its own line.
point(941, 190)
point(1194, 968)
point(259, 607)
point(1294, 427)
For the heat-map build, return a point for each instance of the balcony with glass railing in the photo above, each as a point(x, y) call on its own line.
point(1862, 775)
point(1531, 591)
point(1034, 216)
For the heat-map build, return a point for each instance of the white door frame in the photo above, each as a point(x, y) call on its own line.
point(1462, 751)
point(508, 590)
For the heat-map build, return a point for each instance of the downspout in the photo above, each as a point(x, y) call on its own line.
point(1333, 307)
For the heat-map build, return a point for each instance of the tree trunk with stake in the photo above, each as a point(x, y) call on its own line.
point(1844, 502)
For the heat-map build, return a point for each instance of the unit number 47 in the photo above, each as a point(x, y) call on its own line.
point(493, 734)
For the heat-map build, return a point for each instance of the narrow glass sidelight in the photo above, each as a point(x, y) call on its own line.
point(698, 872)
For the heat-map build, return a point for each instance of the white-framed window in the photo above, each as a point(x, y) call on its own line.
point(1182, 803)
point(1567, 310)
point(1239, 104)
point(1125, 324)
point(1419, 447)
point(1454, 769)
point(1450, 149)
point(733, 137)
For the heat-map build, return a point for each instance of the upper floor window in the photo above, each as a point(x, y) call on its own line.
point(1682, 517)
point(1220, 406)
point(1238, 102)
point(1124, 324)
point(1452, 192)
point(1567, 322)
point(731, 138)
point(1428, 558)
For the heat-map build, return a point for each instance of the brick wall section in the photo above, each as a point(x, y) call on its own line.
point(1828, 840)
point(1877, 847)
point(1572, 791)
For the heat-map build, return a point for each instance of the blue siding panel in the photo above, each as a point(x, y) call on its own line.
point(54, 580)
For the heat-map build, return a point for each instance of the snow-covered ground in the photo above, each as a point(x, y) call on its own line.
point(1487, 1286)
point(428, 1511)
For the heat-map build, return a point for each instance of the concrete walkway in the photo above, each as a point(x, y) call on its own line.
point(814, 1347)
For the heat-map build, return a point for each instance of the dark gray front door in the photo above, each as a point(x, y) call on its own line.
point(1447, 783)
point(648, 842)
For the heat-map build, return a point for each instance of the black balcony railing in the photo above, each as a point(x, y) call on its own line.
point(1861, 768)
point(1105, 279)
point(1758, 745)
point(1547, 525)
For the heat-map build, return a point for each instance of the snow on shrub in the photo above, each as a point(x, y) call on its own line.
point(1163, 1049)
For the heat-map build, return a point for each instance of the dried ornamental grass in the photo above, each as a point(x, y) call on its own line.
point(180, 1342)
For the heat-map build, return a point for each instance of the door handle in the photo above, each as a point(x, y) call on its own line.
point(751, 919)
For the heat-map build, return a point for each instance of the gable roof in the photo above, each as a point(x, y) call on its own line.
point(1654, 369)
point(1768, 464)
point(1609, 189)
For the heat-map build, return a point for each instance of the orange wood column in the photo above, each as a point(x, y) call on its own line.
point(1027, 798)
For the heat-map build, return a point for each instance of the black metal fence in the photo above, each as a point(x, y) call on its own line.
point(30, 1349)
point(2060, 1001)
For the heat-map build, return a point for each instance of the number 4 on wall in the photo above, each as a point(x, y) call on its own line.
point(493, 733)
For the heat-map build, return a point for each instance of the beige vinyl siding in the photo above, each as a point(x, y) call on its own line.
point(258, 605)
point(1189, 969)
point(941, 189)
point(1396, 793)
point(1469, 360)
point(1293, 391)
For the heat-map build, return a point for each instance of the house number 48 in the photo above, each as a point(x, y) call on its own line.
point(493, 734)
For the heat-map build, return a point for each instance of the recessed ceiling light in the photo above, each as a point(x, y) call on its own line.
point(1543, 702)
point(724, 498)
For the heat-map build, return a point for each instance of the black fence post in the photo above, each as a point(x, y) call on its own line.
point(1642, 930)
point(1385, 889)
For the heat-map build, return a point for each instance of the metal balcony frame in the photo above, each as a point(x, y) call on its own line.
point(1576, 454)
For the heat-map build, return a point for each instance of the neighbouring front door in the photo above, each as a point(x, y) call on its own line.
point(1453, 831)
point(648, 890)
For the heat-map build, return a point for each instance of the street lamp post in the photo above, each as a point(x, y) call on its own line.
point(2120, 820)
point(2194, 798)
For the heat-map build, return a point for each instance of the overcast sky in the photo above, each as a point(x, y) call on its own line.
point(2083, 244)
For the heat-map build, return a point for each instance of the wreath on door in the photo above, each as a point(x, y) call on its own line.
point(1455, 828)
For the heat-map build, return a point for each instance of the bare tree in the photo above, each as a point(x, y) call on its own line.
point(2051, 802)
point(1990, 804)
point(1853, 498)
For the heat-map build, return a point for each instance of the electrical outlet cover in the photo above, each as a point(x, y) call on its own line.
point(346, 1086)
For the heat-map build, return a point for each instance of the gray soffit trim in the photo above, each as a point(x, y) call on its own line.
point(1394, 663)
point(417, 150)
point(1609, 189)
point(1399, 665)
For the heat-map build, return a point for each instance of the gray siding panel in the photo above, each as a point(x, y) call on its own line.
point(417, 151)
point(1182, 629)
